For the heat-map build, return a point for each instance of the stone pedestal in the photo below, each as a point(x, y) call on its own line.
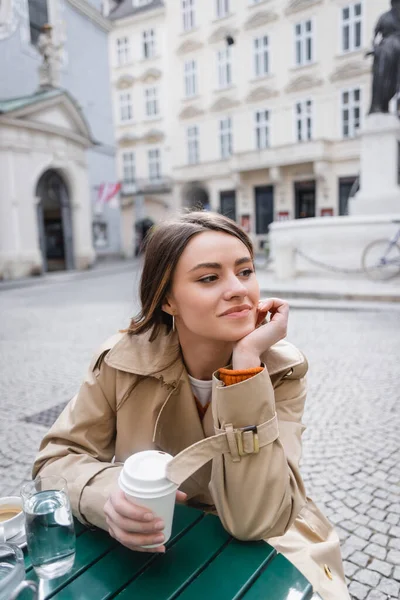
point(379, 180)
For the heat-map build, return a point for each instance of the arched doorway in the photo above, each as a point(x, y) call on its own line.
point(54, 222)
point(195, 196)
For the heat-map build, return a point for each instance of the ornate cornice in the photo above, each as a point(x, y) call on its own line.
point(263, 92)
point(151, 75)
point(223, 103)
point(349, 70)
point(221, 34)
point(190, 112)
point(128, 140)
point(298, 5)
point(189, 46)
point(124, 82)
point(154, 135)
point(93, 14)
point(303, 82)
point(261, 18)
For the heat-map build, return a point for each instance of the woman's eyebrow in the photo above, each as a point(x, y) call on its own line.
point(215, 265)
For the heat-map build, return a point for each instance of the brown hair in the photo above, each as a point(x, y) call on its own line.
point(164, 247)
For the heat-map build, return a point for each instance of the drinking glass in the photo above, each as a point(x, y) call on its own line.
point(12, 573)
point(49, 526)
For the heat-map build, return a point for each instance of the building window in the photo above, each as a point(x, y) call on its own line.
point(151, 101)
point(190, 76)
point(352, 27)
point(128, 167)
point(262, 129)
point(154, 159)
point(149, 43)
point(224, 58)
point(304, 42)
point(225, 137)
point(351, 112)
point(261, 56)
point(125, 106)
point(222, 8)
point(193, 144)
point(38, 16)
point(123, 51)
point(138, 3)
point(304, 121)
point(188, 14)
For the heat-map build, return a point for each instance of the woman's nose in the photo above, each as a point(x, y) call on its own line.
point(235, 288)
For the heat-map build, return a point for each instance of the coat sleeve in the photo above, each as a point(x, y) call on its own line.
point(260, 496)
point(80, 445)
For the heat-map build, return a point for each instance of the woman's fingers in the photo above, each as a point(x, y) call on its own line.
point(135, 541)
point(181, 497)
point(129, 510)
point(128, 525)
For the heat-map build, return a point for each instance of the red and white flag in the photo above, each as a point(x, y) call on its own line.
point(107, 192)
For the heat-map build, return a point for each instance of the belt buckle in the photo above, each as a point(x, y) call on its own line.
point(239, 440)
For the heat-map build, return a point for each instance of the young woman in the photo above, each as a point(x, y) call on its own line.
point(199, 360)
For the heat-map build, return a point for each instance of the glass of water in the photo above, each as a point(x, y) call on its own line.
point(49, 524)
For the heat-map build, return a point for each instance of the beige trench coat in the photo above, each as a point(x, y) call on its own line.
point(136, 397)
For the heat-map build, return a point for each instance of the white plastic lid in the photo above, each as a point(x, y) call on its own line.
point(144, 474)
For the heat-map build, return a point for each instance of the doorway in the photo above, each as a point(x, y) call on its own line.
point(264, 205)
point(227, 201)
point(54, 222)
point(304, 199)
point(347, 187)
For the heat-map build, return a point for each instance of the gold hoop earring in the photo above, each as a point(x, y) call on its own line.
point(173, 323)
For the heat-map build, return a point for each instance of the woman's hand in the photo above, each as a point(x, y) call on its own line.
point(135, 526)
point(248, 350)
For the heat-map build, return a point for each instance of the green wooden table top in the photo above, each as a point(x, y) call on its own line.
point(202, 561)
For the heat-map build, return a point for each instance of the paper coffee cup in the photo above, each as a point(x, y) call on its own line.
point(144, 481)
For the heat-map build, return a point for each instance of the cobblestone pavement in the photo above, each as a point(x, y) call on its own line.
point(351, 446)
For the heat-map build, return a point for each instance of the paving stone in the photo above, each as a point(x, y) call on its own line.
point(394, 543)
point(393, 519)
point(349, 568)
point(359, 558)
point(363, 532)
point(389, 586)
point(368, 577)
point(358, 590)
point(396, 573)
point(376, 551)
point(380, 539)
point(379, 526)
point(377, 595)
point(393, 557)
point(382, 567)
point(361, 519)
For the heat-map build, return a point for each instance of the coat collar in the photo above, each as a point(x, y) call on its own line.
point(162, 358)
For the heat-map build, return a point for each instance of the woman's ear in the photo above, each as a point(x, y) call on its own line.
point(167, 307)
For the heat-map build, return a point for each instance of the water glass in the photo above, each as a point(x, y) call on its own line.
point(12, 573)
point(49, 526)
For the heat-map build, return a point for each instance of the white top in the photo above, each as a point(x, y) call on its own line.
point(201, 389)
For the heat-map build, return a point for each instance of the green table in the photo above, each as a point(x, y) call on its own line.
point(202, 561)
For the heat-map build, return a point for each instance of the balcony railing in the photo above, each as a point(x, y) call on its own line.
point(162, 185)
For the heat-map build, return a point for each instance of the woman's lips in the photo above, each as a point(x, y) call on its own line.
point(239, 314)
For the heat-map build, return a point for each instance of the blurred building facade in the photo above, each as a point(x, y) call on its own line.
point(56, 141)
point(261, 101)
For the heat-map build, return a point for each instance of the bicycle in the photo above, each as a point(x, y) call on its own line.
point(381, 258)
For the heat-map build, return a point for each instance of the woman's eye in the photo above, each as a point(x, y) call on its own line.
point(246, 272)
point(208, 279)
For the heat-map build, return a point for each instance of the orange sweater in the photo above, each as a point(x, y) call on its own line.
point(229, 377)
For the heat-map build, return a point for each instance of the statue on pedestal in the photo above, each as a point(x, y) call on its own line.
point(386, 53)
point(49, 70)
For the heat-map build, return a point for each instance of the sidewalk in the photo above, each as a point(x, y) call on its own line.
point(301, 290)
point(328, 288)
point(98, 270)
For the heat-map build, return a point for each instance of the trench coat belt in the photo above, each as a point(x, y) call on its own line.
point(239, 443)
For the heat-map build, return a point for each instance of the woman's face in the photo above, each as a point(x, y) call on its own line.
point(214, 292)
